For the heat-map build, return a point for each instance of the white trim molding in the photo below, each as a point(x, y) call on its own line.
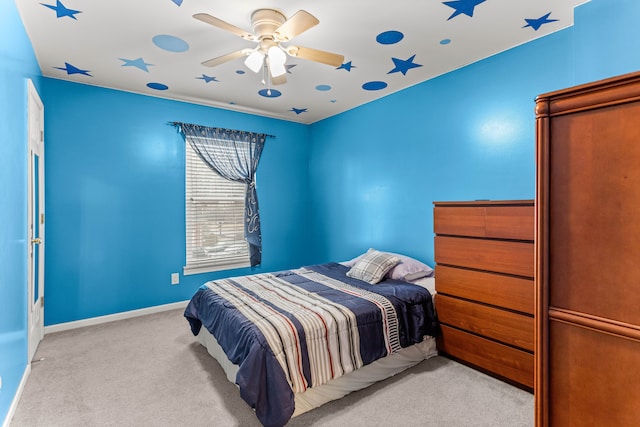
point(16, 397)
point(113, 317)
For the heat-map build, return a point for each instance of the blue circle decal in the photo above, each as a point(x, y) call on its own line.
point(374, 85)
point(170, 43)
point(445, 41)
point(323, 88)
point(389, 37)
point(239, 71)
point(157, 86)
point(270, 93)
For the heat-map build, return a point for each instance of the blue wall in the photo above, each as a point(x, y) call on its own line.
point(607, 39)
point(115, 198)
point(328, 191)
point(17, 64)
point(469, 134)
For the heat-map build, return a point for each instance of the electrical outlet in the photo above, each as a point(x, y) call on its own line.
point(175, 278)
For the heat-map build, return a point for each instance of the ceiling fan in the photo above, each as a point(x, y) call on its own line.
point(270, 29)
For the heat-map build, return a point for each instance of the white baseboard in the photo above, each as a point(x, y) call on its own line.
point(113, 317)
point(16, 398)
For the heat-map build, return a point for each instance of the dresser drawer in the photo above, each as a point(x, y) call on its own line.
point(508, 362)
point(513, 293)
point(498, 222)
point(509, 257)
point(506, 326)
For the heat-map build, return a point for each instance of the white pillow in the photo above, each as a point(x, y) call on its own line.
point(409, 269)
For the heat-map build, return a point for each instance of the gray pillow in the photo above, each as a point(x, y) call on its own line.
point(373, 266)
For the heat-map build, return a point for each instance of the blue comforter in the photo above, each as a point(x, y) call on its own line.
point(295, 329)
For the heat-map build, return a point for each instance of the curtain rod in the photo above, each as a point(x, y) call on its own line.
point(232, 130)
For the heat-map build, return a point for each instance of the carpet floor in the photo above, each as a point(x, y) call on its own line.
point(150, 371)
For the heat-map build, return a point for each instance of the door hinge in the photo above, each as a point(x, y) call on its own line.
point(41, 301)
point(41, 135)
point(42, 218)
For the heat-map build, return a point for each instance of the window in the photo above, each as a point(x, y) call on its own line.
point(215, 219)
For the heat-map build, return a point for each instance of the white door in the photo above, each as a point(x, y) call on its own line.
point(36, 220)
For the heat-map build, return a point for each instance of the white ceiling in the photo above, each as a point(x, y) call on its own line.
point(156, 47)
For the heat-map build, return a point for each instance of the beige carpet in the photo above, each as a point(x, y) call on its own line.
point(150, 371)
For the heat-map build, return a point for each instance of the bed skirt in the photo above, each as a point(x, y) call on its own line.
point(341, 386)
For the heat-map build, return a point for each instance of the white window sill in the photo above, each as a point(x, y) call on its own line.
point(188, 270)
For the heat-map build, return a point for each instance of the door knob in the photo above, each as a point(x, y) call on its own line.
point(36, 241)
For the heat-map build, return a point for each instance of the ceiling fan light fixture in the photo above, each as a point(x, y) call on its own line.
point(277, 59)
point(254, 61)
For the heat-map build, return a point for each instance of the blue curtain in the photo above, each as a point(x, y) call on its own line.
point(234, 155)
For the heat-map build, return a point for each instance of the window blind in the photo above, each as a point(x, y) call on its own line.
point(214, 219)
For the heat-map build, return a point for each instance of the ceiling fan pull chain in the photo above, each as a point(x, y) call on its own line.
point(269, 80)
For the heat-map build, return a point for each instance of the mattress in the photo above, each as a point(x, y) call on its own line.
point(338, 387)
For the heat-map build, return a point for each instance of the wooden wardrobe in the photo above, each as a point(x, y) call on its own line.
point(588, 255)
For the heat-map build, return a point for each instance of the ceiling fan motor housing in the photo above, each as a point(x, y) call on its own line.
point(266, 21)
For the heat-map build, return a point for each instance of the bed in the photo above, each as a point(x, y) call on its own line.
point(293, 340)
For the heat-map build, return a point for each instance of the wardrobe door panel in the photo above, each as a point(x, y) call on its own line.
point(594, 378)
point(595, 212)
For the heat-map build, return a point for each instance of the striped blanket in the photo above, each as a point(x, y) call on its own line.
point(295, 329)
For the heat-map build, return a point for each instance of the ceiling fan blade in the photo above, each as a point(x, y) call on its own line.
point(217, 22)
point(316, 55)
point(226, 58)
point(280, 80)
point(300, 22)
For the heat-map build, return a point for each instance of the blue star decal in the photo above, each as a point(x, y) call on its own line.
point(289, 67)
point(138, 63)
point(462, 6)
point(62, 11)
point(403, 66)
point(208, 79)
point(537, 23)
point(70, 69)
point(346, 66)
point(298, 110)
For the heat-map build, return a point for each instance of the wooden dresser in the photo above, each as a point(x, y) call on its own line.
point(484, 254)
point(588, 251)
